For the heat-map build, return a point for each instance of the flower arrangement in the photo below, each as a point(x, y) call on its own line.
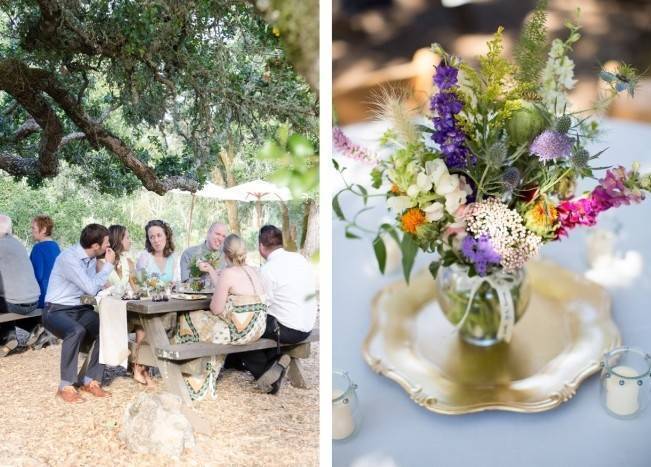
point(212, 257)
point(490, 177)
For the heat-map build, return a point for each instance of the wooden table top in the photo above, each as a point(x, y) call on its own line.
point(147, 307)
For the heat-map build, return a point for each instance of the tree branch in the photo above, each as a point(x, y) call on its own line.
point(12, 80)
point(26, 91)
point(29, 127)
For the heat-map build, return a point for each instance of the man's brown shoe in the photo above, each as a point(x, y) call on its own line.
point(95, 389)
point(69, 394)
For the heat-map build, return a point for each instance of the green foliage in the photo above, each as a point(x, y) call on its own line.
point(494, 69)
point(72, 206)
point(531, 49)
point(409, 249)
point(176, 81)
point(296, 159)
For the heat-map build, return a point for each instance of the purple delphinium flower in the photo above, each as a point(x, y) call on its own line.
point(480, 252)
point(445, 77)
point(445, 105)
point(551, 145)
point(345, 146)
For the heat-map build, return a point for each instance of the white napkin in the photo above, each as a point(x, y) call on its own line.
point(113, 336)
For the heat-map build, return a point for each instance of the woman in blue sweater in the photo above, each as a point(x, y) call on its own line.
point(44, 252)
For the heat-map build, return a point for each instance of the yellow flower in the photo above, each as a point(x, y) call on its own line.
point(541, 217)
point(412, 219)
point(276, 31)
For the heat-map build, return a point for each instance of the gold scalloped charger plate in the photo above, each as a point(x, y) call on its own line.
point(556, 345)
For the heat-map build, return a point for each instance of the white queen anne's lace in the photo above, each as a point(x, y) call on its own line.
point(508, 236)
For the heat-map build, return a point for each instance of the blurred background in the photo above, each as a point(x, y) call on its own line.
point(386, 42)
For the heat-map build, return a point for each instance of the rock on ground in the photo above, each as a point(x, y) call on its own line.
point(153, 423)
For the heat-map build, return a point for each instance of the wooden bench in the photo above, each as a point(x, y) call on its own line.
point(172, 360)
point(9, 317)
point(191, 357)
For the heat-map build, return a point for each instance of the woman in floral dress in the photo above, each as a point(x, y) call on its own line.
point(237, 315)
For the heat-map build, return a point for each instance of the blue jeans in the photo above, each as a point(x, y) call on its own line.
point(75, 325)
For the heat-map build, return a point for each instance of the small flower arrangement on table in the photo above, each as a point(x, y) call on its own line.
point(491, 176)
point(152, 286)
point(195, 282)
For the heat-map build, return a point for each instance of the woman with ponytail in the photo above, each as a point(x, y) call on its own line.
point(238, 313)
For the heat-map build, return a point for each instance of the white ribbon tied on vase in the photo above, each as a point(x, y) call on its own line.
point(502, 283)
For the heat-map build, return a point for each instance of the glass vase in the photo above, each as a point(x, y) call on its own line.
point(474, 305)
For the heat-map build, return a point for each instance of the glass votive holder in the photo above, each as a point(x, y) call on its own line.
point(345, 406)
point(625, 382)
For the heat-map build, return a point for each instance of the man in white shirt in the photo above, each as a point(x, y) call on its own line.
point(73, 275)
point(290, 286)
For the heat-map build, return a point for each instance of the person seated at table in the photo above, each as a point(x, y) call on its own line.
point(21, 290)
point(213, 243)
point(44, 252)
point(159, 257)
point(237, 313)
point(123, 277)
point(74, 274)
point(290, 285)
point(123, 274)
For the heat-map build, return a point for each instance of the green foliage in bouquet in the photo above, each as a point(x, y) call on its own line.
point(491, 177)
point(212, 257)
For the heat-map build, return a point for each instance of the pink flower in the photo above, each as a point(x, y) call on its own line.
point(345, 146)
point(613, 190)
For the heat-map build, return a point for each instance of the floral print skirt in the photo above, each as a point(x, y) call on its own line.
point(204, 326)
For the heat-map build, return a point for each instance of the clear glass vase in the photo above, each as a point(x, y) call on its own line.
point(479, 315)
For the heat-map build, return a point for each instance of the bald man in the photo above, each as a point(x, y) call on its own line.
point(214, 241)
point(20, 289)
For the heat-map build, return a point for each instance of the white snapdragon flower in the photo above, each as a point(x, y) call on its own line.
point(435, 169)
point(447, 184)
point(454, 199)
point(557, 78)
point(434, 212)
point(399, 203)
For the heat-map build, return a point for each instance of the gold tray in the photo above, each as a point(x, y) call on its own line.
point(556, 345)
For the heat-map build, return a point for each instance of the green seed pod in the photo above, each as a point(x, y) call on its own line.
point(580, 158)
point(496, 154)
point(563, 124)
point(525, 123)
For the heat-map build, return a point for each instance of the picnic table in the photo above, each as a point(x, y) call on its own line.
point(174, 359)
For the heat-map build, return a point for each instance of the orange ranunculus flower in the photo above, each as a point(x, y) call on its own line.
point(395, 189)
point(412, 219)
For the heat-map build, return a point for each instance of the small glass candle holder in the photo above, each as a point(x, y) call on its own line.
point(345, 406)
point(625, 382)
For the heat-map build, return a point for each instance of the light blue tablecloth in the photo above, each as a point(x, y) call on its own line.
point(578, 433)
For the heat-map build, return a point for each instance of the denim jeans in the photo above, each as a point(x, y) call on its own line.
point(75, 325)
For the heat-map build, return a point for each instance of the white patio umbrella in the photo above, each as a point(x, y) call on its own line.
point(209, 190)
point(258, 191)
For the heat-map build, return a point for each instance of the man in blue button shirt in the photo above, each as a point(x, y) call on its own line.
point(73, 275)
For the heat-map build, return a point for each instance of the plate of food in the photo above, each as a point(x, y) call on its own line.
point(186, 296)
point(187, 289)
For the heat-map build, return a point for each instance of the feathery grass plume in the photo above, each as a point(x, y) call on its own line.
point(391, 103)
point(531, 50)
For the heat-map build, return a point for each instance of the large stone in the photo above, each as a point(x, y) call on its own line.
point(153, 423)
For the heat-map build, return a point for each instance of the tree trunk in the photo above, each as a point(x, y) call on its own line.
point(222, 178)
point(310, 243)
point(289, 240)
